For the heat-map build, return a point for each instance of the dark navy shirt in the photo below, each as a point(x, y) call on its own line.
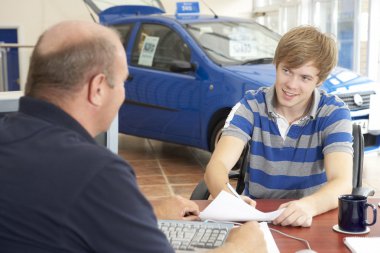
point(62, 192)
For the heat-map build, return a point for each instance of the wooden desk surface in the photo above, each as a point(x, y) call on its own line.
point(322, 238)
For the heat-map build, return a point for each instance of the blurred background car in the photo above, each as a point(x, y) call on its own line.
point(187, 71)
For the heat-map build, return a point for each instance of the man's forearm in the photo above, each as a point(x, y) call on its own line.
point(339, 181)
point(216, 178)
point(225, 156)
point(326, 198)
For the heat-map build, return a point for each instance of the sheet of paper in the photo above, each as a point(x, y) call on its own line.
point(226, 207)
point(362, 244)
point(271, 244)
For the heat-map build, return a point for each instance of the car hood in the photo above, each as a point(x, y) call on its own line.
point(263, 74)
point(341, 80)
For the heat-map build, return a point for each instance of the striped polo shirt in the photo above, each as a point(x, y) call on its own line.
point(290, 167)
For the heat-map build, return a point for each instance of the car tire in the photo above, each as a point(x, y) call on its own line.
point(216, 134)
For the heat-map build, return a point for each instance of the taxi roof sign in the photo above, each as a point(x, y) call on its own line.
point(187, 8)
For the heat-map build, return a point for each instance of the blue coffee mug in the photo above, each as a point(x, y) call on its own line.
point(353, 213)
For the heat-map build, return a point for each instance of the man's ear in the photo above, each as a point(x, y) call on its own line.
point(95, 89)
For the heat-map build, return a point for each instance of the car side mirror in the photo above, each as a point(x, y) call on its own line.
point(181, 66)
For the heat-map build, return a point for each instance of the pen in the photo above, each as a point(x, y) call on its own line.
point(233, 190)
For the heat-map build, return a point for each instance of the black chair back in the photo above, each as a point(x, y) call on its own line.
point(357, 173)
point(243, 169)
point(358, 146)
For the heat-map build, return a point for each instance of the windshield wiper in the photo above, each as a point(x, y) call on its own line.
point(219, 53)
point(264, 60)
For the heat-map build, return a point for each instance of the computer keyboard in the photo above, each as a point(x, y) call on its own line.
point(194, 235)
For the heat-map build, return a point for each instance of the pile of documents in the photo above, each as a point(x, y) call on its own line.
point(226, 207)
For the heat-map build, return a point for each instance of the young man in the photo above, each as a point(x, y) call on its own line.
point(300, 137)
point(59, 190)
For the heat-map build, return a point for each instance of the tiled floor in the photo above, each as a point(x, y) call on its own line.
point(164, 169)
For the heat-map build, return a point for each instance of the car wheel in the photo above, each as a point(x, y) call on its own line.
point(216, 134)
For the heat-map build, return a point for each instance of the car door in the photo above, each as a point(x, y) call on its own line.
point(161, 102)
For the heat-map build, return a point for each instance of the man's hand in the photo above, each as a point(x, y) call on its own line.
point(176, 208)
point(296, 213)
point(246, 238)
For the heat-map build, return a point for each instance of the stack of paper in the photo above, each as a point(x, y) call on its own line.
point(271, 244)
point(226, 207)
point(363, 244)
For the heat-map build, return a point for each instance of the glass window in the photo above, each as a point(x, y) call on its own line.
point(124, 31)
point(339, 17)
point(235, 43)
point(157, 46)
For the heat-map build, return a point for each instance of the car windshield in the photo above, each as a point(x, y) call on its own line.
point(235, 43)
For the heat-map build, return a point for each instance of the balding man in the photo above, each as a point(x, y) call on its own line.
point(59, 190)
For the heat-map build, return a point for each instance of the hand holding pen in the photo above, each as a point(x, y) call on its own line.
point(246, 199)
point(233, 191)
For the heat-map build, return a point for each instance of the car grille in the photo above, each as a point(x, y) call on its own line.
point(357, 101)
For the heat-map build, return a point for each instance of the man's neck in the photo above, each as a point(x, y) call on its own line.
point(291, 114)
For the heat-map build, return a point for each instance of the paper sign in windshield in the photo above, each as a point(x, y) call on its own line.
point(148, 50)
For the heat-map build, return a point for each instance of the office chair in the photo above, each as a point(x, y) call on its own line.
point(358, 146)
point(201, 192)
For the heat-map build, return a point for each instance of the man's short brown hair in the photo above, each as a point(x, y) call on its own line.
point(304, 44)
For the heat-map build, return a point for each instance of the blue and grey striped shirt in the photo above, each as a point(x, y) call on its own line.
point(290, 167)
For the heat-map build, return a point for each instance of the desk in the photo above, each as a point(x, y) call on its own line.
point(320, 235)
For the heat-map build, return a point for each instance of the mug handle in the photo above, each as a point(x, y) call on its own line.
point(374, 214)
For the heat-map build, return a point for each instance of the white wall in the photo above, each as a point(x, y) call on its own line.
point(32, 17)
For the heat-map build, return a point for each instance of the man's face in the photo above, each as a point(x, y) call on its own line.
point(294, 87)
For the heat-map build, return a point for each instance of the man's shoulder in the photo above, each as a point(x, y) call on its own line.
point(254, 94)
point(330, 103)
point(19, 125)
point(94, 156)
point(75, 151)
point(258, 97)
point(331, 99)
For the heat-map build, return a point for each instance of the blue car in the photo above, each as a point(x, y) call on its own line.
point(187, 72)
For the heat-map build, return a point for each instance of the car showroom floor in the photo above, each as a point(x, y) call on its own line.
point(164, 169)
